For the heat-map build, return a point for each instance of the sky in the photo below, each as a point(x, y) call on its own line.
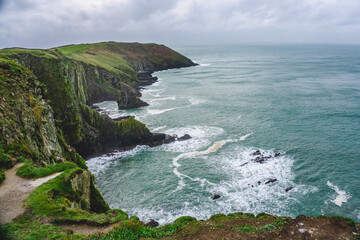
point(51, 23)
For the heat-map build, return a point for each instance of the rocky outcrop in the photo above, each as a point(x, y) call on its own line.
point(146, 78)
point(129, 98)
point(88, 196)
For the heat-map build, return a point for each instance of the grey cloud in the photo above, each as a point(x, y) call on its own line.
point(43, 23)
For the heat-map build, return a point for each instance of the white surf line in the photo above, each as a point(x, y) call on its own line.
point(158, 128)
point(342, 196)
point(211, 149)
point(160, 111)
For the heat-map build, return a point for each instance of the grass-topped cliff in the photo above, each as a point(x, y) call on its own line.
point(75, 76)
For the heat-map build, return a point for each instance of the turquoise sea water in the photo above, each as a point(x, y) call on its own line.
point(302, 101)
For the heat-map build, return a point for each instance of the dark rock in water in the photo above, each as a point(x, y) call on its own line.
point(271, 180)
point(122, 118)
point(152, 223)
point(261, 159)
point(288, 189)
point(244, 164)
point(277, 154)
point(145, 77)
point(185, 137)
point(256, 153)
point(169, 139)
point(216, 196)
point(259, 182)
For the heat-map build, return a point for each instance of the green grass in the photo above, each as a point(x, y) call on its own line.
point(53, 200)
point(268, 227)
point(2, 176)
point(97, 54)
point(133, 229)
point(27, 229)
point(36, 52)
point(30, 170)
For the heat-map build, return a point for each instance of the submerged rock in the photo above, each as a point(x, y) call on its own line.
point(257, 152)
point(288, 189)
point(271, 180)
point(261, 159)
point(216, 196)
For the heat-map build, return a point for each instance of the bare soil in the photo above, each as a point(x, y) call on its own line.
point(14, 190)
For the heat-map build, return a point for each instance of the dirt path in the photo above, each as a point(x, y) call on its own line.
point(87, 229)
point(14, 190)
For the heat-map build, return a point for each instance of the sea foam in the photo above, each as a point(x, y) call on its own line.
point(341, 197)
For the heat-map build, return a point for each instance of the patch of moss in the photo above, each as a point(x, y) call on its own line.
point(131, 127)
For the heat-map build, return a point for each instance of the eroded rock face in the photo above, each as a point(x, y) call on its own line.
point(27, 120)
point(88, 196)
point(80, 183)
point(128, 98)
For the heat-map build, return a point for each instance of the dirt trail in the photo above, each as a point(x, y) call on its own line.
point(14, 190)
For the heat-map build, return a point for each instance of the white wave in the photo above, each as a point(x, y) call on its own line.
point(164, 98)
point(213, 148)
point(196, 101)
point(99, 164)
point(160, 111)
point(200, 137)
point(204, 64)
point(239, 189)
point(341, 197)
point(158, 128)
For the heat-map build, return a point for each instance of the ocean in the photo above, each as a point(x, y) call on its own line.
point(302, 101)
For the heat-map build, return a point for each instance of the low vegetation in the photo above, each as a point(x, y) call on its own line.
point(30, 170)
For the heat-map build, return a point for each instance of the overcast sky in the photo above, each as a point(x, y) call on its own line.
point(50, 23)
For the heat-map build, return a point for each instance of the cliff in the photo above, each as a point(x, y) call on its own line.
point(45, 121)
point(73, 77)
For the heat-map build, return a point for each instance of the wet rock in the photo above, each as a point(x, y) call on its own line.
point(216, 196)
point(152, 223)
point(271, 180)
point(244, 164)
point(185, 137)
point(277, 154)
point(261, 159)
point(259, 182)
point(288, 189)
point(256, 153)
point(146, 78)
point(169, 138)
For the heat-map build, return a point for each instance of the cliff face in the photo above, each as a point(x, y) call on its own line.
point(27, 123)
point(76, 75)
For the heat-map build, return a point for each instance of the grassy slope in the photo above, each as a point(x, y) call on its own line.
point(98, 54)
